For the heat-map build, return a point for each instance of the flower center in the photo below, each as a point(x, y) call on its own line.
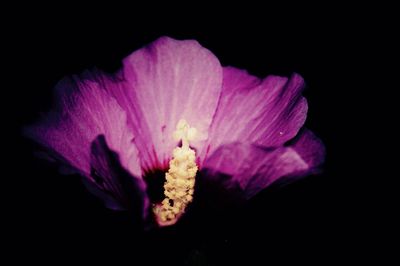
point(180, 178)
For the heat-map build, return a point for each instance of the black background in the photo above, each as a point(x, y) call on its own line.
point(312, 220)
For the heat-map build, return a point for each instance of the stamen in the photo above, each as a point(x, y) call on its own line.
point(180, 178)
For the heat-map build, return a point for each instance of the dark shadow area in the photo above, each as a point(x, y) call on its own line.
point(155, 184)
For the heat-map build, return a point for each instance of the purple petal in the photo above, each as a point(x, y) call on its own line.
point(83, 112)
point(265, 112)
point(167, 81)
point(246, 169)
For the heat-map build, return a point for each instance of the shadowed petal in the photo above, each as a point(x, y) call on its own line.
point(84, 111)
point(245, 169)
point(167, 81)
point(115, 185)
point(265, 112)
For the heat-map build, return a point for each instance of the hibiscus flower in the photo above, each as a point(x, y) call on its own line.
point(173, 109)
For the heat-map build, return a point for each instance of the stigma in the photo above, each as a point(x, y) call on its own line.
point(180, 178)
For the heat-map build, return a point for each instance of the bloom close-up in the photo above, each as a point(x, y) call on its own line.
point(172, 119)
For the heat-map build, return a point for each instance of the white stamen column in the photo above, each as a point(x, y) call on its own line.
point(180, 178)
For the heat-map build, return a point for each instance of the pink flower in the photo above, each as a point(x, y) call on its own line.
point(173, 108)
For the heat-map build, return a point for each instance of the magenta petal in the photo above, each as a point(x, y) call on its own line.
point(265, 112)
point(167, 81)
point(83, 112)
point(246, 169)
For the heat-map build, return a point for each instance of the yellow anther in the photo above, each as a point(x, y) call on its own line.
point(180, 178)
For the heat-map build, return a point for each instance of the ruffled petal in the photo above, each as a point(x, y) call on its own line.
point(84, 111)
point(265, 112)
point(245, 169)
point(167, 81)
